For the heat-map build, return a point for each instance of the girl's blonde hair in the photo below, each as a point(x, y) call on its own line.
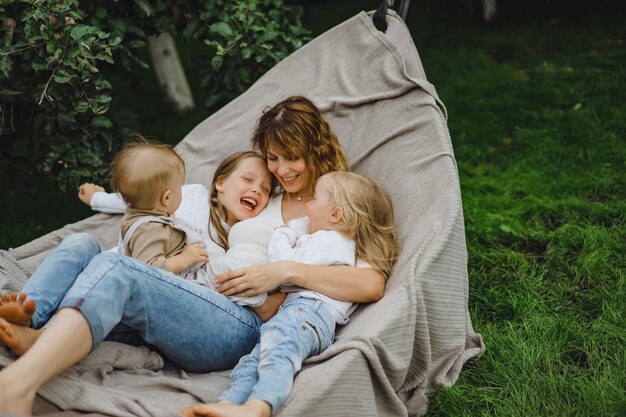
point(296, 128)
point(367, 217)
point(222, 172)
point(142, 171)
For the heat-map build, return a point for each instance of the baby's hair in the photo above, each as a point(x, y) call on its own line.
point(296, 128)
point(368, 218)
point(142, 171)
point(223, 170)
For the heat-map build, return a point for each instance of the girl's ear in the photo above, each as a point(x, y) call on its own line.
point(336, 216)
point(165, 198)
point(219, 184)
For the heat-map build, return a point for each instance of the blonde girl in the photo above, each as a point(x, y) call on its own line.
point(350, 221)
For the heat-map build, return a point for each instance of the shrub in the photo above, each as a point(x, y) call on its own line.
point(55, 101)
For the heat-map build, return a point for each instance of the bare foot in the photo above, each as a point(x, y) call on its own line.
point(252, 408)
point(218, 410)
point(16, 309)
point(17, 338)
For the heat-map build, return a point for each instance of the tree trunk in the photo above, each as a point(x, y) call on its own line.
point(170, 71)
point(489, 10)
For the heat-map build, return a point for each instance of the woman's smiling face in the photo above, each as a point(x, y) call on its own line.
point(290, 172)
point(245, 192)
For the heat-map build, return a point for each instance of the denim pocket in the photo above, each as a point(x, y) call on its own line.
point(318, 349)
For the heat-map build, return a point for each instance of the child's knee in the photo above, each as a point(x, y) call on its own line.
point(81, 241)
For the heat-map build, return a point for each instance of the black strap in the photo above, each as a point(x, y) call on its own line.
point(380, 16)
point(403, 8)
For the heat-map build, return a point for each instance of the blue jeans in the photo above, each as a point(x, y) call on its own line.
point(302, 328)
point(197, 328)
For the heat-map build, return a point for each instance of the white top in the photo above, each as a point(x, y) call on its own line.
point(248, 239)
point(324, 247)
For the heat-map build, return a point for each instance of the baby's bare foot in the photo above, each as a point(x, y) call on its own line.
point(16, 309)
point(17, 338)
point(217, 410)
point(252, 408)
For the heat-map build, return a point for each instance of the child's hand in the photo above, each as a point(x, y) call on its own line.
point(87, 190)
point(194, 254)
point(190, 256)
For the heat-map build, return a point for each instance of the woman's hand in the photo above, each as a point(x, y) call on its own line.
point(254, 280)
point(87, 190)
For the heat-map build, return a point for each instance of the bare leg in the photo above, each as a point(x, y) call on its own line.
point(65, 342)
point(15, 309)
point(17, 338)
point(252, 408)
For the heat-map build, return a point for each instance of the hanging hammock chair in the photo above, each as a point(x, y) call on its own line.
point(372, 89)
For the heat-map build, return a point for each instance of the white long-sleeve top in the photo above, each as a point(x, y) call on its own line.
point(324, 247)
point(194, 209)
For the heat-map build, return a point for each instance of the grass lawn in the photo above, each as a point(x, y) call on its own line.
point(537, 115)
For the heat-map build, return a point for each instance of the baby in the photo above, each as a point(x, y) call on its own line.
point(149, 177)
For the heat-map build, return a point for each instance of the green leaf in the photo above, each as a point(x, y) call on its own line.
point(65, 119)
point(101, 121)
point(102, 99)
point(63, 79)
point(82, 106)
point(144, 6)
point(212, 100)
point(115, 40)
point(216, 62)
point(39, 65)
point(101, 12)
point(119, 27)
point(223, 29)
point(137, 43)
point(82, 30)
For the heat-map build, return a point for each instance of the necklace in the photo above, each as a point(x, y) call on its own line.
point(300, 197)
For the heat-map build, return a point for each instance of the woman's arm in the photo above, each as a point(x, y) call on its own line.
point(346, 283)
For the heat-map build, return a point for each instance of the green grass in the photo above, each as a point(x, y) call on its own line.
point(537, 112)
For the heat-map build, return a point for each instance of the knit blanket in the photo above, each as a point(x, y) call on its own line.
point(372, 89)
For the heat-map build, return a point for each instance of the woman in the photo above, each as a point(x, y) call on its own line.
point(299, 147)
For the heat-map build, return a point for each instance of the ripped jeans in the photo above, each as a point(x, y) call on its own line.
point(302, 328)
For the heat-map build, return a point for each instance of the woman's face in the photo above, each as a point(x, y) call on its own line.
point(291, 173)
point(245, 192)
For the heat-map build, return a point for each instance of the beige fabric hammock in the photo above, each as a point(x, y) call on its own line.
point(373, 91)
